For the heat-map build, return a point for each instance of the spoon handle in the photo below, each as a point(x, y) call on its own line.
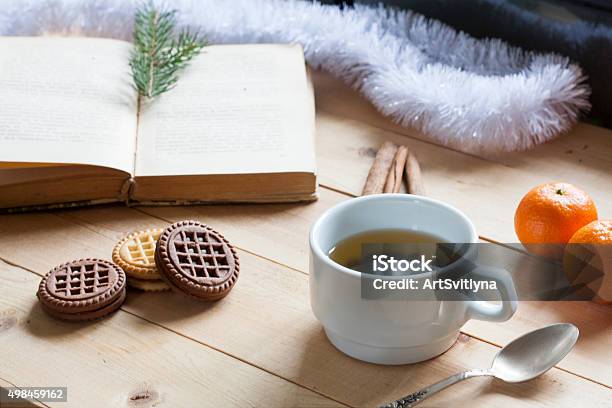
point(413, 399)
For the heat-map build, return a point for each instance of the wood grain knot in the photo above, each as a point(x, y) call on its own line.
point(7, 320)
point(143, 397)
point(367, 152)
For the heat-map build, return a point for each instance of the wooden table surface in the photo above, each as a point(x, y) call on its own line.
point(261, 346)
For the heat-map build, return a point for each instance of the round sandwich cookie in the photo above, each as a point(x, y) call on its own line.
point(135, 254)
point(196, 260)
point(86, 289)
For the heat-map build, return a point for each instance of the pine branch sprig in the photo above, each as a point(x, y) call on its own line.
point(158, 53)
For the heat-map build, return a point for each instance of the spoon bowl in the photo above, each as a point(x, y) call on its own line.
point(534, 353)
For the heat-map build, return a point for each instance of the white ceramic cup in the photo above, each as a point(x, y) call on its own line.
point(393, 331)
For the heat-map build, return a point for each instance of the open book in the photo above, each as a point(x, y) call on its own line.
point(239, 126)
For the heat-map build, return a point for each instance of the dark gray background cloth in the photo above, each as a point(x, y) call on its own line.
point(578, 29)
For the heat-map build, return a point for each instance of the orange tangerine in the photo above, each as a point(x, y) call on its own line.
point(550, 214)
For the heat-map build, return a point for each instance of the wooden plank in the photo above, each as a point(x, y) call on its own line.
point(251, 232)
point(126, 361)
point(273, 328)
point(486, 191)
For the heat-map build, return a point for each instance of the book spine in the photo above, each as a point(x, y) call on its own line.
point(126, 192)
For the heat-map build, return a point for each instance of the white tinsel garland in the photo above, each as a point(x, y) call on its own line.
point(474, 95)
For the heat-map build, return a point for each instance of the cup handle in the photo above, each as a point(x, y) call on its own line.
point(483, 310)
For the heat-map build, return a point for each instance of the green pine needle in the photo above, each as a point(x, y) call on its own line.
point(158, 53)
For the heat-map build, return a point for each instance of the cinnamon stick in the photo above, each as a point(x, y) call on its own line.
point(414, 179)
point(377, 176)
point(394, 178)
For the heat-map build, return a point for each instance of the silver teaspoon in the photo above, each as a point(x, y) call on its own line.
point(523, 359)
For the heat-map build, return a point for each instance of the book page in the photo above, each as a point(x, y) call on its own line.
point(67, 100)
point(236, 109)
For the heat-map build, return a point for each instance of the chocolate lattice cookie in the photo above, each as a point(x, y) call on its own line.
point(197, 260)
point(82, 290)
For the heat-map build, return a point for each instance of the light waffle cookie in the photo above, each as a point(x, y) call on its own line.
point(197, 261)
point(135, 254)
point(148, 285)
point(86, 289)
